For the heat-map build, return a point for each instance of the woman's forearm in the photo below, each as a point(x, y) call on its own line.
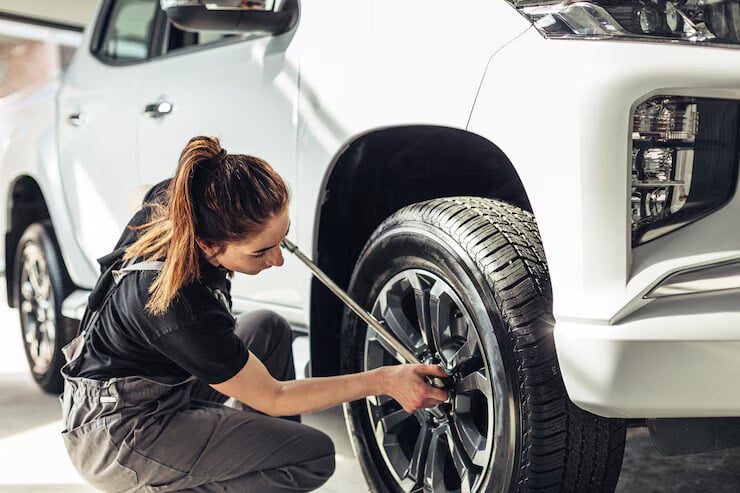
point(313, 394)
point(253, 385)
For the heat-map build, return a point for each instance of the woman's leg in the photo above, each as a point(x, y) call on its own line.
point(268, 336)
point(242, 451)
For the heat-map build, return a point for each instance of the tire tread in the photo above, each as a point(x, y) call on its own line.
point(564, 448)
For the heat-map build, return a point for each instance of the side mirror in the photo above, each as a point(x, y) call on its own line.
point(232, 16)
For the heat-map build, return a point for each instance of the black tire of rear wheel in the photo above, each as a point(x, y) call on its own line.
point(557, 446)
point(42, 235)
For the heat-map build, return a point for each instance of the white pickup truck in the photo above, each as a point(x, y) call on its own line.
point(539, 195)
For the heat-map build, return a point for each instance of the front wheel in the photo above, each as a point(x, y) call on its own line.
point(463, 281)
point(41, 284)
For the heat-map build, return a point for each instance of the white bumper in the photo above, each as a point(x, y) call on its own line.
point(677, 357)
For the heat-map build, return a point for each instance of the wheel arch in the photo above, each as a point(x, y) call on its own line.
point(26, 205)
point(376, 174)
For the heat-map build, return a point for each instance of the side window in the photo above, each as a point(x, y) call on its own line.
point(128, 31)
point(178, 39)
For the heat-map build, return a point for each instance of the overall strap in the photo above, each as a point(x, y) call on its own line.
point(118, 275)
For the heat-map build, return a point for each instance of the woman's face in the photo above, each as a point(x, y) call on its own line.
point(257, 254)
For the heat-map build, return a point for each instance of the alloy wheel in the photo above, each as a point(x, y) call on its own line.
point(37, 308)
point(446, 448)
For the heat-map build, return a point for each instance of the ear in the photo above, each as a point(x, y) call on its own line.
point(208, 249)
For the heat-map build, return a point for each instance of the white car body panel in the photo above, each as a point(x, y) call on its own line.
point(29, 148)
point(244, 93)
point(98, 157)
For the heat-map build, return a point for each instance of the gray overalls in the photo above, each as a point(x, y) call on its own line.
point(138, 434)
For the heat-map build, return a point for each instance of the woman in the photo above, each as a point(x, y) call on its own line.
point(159, 350)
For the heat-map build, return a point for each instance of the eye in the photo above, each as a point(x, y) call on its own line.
point(258, 255)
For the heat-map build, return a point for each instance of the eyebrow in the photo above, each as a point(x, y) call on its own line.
point(270, 247)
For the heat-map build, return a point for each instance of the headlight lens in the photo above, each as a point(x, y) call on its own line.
point(684, 162)
point(691, 21)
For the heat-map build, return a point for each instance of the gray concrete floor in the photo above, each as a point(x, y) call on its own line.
point(33, 459)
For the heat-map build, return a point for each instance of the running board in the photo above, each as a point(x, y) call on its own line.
point(74, 305)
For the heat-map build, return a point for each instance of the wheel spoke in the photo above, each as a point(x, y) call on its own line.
point(434, 480)
point(389, 423)
point(45, 351)
point(33, 347)
point(27, 292)
point(462, 462)
point(421, 301)
point(397, 322)
point(473, 442)
point(476, 381)
point(32, 267)
point(27, 307)
point(468, 354)
point(374, 337)
point(419, 455)
point(44, 284)
point(439, 317)
point(389, 308)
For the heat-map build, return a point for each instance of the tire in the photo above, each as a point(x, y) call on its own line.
point(41, 284)
point(472, 273)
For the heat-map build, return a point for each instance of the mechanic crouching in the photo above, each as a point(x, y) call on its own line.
point(159, 351)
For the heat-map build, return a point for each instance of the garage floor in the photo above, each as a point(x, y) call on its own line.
point(33, 459)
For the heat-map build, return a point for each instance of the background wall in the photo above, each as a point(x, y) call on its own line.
point(25, 64)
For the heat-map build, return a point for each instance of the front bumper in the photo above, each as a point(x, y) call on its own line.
point(677, 357)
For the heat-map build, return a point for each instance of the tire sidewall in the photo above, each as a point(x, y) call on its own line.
point(416, 245)
point(42, 235)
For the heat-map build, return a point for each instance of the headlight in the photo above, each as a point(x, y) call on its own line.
point(692, 21)
point(684, 162)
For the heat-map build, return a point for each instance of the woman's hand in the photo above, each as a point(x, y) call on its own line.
point(408, 385)
point(254, 386)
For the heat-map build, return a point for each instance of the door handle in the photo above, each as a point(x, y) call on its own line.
point(75, 119)
point(159, 109)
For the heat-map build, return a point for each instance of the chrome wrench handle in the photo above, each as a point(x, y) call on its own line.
point(389, 338)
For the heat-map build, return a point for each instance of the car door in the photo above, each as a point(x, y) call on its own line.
point(98, 110)
point(242, 90)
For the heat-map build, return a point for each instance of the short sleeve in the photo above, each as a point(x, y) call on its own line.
point(212, 353)
point(196, 333)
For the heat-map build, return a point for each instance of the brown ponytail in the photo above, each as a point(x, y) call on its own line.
point(214, 196)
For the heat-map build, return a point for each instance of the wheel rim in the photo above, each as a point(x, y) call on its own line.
point(448, 447)
point(37, 309)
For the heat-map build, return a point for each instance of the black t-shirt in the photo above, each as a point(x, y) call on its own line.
point(195, 336)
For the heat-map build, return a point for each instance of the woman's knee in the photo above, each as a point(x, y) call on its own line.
point(267, 323)
point(323, 465)
point(280, 326)
point(323, 469)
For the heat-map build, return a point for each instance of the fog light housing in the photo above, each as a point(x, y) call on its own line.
point(684, 162)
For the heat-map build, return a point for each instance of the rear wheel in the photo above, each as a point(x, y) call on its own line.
point(41, 284)
point(463, 282)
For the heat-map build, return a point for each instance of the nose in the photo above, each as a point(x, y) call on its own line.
point(276, 257)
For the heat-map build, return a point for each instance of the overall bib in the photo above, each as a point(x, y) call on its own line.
point(140, 434)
